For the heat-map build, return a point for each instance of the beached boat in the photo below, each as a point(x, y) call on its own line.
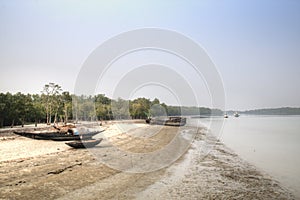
point(56, 135)
point(84, 136)
point(36, 134)
point(176, 121)
point(84, 143)
point(171, 121)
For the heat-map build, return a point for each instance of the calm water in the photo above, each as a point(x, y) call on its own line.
point(272, 143)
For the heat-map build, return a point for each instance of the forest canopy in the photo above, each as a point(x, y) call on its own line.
point(55, 105)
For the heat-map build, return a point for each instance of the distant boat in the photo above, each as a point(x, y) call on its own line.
point(236, 114)
point(226, 116)
point(84, 143)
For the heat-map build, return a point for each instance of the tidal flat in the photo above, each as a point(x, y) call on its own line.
point(37, 169)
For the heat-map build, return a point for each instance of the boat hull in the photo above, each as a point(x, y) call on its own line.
point(84, 143)
point(57, 136)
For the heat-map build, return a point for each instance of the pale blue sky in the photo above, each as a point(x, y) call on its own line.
point(254, 44)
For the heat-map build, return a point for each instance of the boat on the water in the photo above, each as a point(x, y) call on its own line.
point(56, 135)
point(225, 116)
point(236, 114)
point(171, 121)
point(84, 143)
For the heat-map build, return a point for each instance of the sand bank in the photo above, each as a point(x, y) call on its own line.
point(52, 170)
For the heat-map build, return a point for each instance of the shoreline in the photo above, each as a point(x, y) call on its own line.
point(221, 174)
point(77, 174)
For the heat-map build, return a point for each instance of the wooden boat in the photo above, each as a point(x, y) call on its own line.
point(84, 136)
point(56, 135)
point(84, 143)
point(171, 121)
point(40, 135)
point(175, 121)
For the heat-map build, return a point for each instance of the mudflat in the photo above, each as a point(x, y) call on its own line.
point(37, 169)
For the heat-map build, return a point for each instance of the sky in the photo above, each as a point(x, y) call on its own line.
point(254, 45)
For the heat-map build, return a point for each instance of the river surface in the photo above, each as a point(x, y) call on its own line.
point(271, 143)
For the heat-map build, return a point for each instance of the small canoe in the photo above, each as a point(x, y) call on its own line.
point(84, 143)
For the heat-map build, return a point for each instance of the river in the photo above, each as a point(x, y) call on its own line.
point(271, 143)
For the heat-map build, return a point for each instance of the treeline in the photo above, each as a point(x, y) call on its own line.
point(54, 105)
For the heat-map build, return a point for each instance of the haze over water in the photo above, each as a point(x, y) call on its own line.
point(271, 143)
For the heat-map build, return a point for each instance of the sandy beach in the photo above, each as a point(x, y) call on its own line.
point(37, 169)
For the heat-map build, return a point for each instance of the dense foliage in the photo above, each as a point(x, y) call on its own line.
point(53, 105)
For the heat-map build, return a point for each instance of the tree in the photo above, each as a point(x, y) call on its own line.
point(120, 109)
point(155, 101)
point(103, 107)
point(24, 106)
point(139, 108)
point(8, 112)
point(101, 98)
point(84, 108)
point(3, 100)
point(38, 111)
point(12, 108)
point(173, 110)
point(51, 96)
point(67, 105)
point(157, 109)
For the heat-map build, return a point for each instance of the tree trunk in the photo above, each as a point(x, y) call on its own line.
point(66, 118)
point(12, 123)
point(47, 113)
point(76, 115)
point(50, 116)
point(55, 117)
point(66, 114)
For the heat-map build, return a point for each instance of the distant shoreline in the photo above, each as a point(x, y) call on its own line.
point(270, 111)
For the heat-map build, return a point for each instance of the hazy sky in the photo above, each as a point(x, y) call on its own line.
point(254, 44)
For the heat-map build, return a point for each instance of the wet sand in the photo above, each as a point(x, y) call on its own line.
point(36, 169)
